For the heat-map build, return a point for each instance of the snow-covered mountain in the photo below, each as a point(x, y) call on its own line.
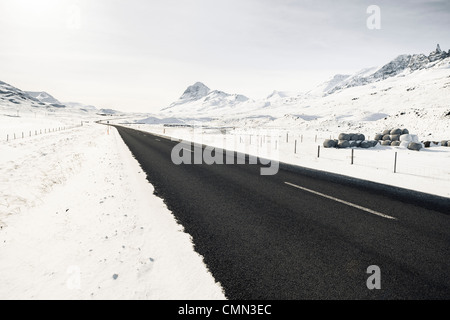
point(195, 92)
point(198, 98)
point(401, 66)
point(80, 106)
point(14, 102)
point(13, 96)
point(10, 95)
point(44, 97)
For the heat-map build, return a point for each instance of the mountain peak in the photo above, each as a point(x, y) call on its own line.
point(438, 48)
point(196, 91)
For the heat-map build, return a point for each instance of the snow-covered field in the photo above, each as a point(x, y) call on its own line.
point(78, 220)
point(425, 171)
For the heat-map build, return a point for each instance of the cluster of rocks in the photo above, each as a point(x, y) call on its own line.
point(390, 137)
point(399, 138)
point(443, 143)
point(350, 140)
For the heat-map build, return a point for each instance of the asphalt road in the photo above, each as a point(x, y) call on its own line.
point(302, 234)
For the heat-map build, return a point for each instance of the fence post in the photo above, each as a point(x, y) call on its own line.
point(353, 150)
point(295, 148)
point(287, 136)
point(318, 151)
point(395, 162)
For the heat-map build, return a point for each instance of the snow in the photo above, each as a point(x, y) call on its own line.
point(79, 221)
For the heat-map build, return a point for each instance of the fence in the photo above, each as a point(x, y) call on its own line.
point(35, 132)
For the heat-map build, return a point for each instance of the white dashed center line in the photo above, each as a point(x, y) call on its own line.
point(342, 201)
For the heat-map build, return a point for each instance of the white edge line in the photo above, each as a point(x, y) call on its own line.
point(342, 201)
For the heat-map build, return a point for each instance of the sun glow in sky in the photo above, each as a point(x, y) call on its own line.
point(139, 55)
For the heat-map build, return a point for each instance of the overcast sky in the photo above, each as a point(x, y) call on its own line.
point(140, 55)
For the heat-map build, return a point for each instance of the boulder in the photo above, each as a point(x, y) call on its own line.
point(358, 143)
point(343, 144)
point(344, 136)
point(353, 136)
point(414, 146)
point(405, 131)
point(379, 136)
point(387, 137)
point(361, 137)
point(374, 143)
point(328, 143)
point(385, 132)
point(396, 131)
point(353, 143)
point(395, 137)
point(444, 143)
point(366, 144)
point(395, 143)
point(386, 143)
point(427, 144)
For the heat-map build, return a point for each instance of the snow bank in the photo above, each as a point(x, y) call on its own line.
point(81, 222)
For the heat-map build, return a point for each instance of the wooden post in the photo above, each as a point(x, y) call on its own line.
point(318, 151)
point(353, 152)
point(395, 162)
point(295, 148)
